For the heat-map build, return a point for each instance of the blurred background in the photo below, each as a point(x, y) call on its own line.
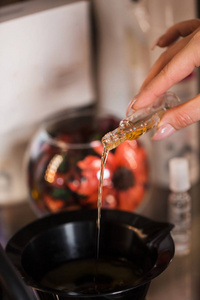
point(67, 55)
point(63, 56)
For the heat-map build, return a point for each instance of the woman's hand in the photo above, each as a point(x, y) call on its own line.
point(174, 64)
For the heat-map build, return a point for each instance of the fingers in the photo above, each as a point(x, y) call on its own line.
point(180, 66)
point(178, 117)
point(172, 50)
point(164, 59)
point(176, 63)
point(181, 29)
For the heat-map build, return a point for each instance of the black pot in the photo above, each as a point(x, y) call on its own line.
point(54, 240)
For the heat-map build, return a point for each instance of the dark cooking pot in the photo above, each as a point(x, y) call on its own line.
point(70, 236)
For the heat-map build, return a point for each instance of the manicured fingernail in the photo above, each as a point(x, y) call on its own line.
point(158, 42)
point(155, 44)
point(163, 132)
point(130, 109)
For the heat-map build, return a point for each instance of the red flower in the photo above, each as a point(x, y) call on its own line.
point(125, 177)
point(53, 205)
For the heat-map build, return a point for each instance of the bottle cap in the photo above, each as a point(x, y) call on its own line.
point(179, 174)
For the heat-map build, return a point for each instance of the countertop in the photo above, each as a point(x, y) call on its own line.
point(181, 280)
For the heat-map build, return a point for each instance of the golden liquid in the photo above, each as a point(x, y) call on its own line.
point(99, 204)
point(131, 131)
point(77, 276)
point(124, 136)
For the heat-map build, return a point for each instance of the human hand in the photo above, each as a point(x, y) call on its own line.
point(175, 63)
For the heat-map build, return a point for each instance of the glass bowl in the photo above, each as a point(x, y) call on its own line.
point(63, 166)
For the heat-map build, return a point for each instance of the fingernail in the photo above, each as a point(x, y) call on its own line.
point(155, 44)
point(130, 109)
point(163, 132)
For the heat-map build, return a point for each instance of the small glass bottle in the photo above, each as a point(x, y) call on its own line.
point(180, 205)
point(140, 121)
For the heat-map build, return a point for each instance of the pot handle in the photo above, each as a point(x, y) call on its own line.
point(156, 233)
point(12, 284)
point(165, 249)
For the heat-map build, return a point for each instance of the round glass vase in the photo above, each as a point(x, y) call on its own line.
point(63, 166)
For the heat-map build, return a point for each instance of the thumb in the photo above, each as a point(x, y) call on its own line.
point(178, 117)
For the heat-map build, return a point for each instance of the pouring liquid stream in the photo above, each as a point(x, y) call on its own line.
point(122, 136)
point(100, 191)
point(108, 145)
point(99, 204)
point(131, 128)
point(110, 141)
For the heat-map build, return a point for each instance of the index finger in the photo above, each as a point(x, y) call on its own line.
point(181, 29)
point(179, 67)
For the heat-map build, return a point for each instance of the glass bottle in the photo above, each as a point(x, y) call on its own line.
point(140, 121)
point(180, 204)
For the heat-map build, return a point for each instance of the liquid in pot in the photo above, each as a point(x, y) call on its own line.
point(89, 276)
